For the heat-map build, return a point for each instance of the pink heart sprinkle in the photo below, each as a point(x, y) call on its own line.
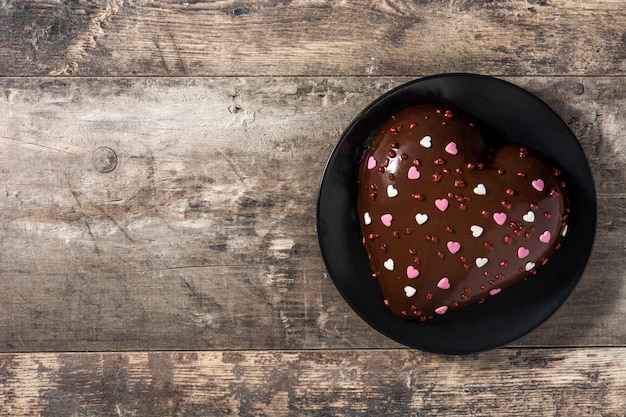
point(494, 291)
point(545, 237)
point(451, 148)
point(441, 203)
point(444, 283)
point(499, 218)
point(413, 173)
point(522, 252)
point(386, 219)
point(412, 272)
point(538, 184)
point(441, 310)
point(453, 247)
point(371, 163)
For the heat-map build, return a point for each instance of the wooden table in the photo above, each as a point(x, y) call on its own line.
point(159, 164)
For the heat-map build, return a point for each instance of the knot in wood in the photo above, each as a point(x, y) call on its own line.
point(104, 159)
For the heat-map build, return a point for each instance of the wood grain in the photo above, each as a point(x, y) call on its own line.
point(560, 382)
point(311, 37)
point(203, 236)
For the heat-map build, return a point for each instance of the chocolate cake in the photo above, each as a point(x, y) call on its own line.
point(448, 221)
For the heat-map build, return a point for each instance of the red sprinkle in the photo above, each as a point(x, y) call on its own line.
point(488, 246)
point(429, 296)
point(500, 171)
point(499, 276)
point(507, 239)
point(383, 248)
point(392, 176)
point(440, 255)
point(504, 263)
point(418, 197)
point(439, 161)
point(381, 169)
point(546, 215)
point(412, 251)
point(437, 177)
point(396, 234)
point(412, 125)
point(459, 183)
point(449, 229)
point(392, 154)
point(417, 162)
point(521, 174)
point(510, 191)
point(404, 157)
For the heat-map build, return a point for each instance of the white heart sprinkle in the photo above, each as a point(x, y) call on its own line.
point(529, 266)
point(480, 262)
point(409, 291)
point(480, 189)
point(529, 217)
point(564, 232)
point(389, 264)
point(476, 230)
point(426, 142)
point(392, 191)
point(367, 218)
point(421, 218)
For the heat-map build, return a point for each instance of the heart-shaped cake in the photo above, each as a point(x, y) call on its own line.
point(448, 221)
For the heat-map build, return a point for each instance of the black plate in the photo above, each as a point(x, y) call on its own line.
point(516, 116)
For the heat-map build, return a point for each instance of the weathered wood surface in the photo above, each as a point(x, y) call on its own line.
point(200, 239)
point(203, 236)
point(507, 382)
point(311, 37)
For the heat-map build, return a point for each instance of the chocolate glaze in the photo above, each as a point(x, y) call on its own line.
point(426, 269)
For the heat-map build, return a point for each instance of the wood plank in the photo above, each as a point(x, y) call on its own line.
point(203, 236)
point(311, 37)
point(506, 382)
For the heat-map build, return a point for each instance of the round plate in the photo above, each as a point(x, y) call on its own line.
point(503, 110)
